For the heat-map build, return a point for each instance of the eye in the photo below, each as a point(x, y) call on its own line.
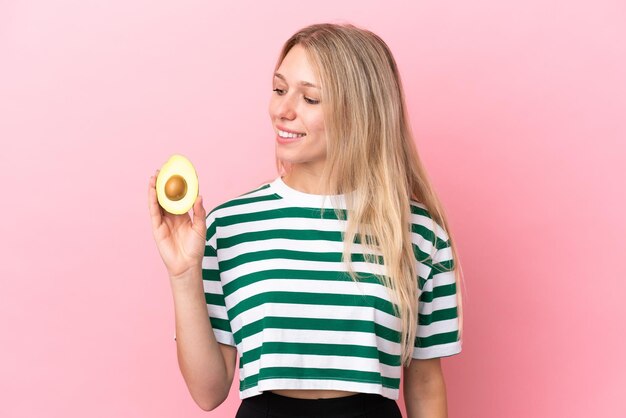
point(306, 99)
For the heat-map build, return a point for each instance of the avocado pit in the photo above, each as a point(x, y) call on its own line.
point(175, 188)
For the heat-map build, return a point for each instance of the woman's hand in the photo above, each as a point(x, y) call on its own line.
point(180, 240)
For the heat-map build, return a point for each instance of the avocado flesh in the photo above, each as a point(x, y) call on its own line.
point(177, 185)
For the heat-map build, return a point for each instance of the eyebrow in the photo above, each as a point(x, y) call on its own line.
point(302, 83)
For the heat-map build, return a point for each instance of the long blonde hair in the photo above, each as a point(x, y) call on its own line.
point(371, 154)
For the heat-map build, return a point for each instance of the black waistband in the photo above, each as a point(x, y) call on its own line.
point(361, 402)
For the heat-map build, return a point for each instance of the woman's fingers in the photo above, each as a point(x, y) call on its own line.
point(155, 210)
point(199, 216)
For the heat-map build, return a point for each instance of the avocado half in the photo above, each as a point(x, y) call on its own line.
point(177, 185)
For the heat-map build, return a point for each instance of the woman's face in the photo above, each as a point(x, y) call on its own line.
point(295, 107)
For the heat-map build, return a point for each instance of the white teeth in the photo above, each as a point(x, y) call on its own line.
point(284, 134)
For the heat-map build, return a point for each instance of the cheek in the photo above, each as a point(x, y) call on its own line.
point(316, 124)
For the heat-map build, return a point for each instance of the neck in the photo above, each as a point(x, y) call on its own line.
point(304, 181)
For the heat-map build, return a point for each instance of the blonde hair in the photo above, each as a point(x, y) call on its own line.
point(372, 155)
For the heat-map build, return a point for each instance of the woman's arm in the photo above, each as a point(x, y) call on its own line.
point(425, 389)
point(206, 365)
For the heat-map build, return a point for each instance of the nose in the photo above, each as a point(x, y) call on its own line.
point(286, 108)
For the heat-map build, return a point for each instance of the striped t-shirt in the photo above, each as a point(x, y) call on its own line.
point(276, 288)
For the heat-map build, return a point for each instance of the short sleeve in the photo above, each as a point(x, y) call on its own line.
point(213, 292)
point(438, 322)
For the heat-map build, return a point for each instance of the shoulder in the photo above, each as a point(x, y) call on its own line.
point(239, 201)
point(258, 190)
point(232, 209)
point(424, 224)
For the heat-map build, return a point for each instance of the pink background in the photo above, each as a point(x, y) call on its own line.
point(519, 110)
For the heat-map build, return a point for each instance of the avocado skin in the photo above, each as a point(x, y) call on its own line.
point(180, 165)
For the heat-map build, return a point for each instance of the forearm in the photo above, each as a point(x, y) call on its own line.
point(427, 400)
point(199, 357)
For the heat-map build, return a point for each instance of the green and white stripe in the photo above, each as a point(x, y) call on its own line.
point(276, 288)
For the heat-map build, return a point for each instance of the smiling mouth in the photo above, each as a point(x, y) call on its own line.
point(284, 134)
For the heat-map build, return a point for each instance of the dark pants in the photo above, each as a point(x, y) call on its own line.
point(362, 405)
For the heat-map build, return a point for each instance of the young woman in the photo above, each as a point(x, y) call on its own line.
point(331, 280)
